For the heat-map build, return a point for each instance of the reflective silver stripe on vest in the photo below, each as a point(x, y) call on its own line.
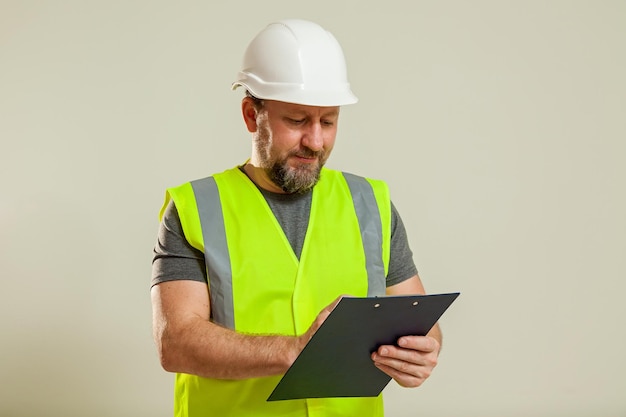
point(371, 232)
point(215, 251)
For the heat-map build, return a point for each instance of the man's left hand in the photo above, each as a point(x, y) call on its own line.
point(411, 362)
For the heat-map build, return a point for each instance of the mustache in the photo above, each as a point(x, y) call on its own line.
point(308, 153)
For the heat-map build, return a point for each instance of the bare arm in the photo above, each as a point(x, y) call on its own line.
point(188, 342)
point(413, 360)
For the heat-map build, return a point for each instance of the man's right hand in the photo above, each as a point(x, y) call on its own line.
point(321, 317)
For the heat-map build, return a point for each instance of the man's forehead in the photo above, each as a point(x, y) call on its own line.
point(301, 108)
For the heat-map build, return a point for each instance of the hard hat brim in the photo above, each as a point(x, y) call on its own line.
point(298, 95)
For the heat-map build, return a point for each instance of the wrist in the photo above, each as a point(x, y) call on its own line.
point(295, 346)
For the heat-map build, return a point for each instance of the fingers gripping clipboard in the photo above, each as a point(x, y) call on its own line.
point(337, 360)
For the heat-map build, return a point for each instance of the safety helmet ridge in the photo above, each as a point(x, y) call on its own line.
point(296, 61)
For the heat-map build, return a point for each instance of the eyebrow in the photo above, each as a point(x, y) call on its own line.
point(330, 113)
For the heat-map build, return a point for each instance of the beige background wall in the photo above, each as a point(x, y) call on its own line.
point(500, 127)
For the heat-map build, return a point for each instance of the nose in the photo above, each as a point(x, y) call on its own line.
point(313, 137)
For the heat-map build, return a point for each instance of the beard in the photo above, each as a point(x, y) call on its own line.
point(298, 179)
point(291, 179)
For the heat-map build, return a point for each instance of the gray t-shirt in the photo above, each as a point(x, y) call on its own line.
point(175, 259)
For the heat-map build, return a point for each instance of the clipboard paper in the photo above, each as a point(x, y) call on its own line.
point(336, 362)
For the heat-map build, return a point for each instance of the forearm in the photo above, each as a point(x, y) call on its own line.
point(202, 348)
point(188, 342)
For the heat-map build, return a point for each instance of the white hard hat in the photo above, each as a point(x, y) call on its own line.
point(296, 61)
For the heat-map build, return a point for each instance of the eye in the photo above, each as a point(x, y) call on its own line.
point(295, 121)
point(328, 123)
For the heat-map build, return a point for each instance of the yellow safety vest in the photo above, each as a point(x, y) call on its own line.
point(258, 286)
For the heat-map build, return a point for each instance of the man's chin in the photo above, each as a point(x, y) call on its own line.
point(302, 181)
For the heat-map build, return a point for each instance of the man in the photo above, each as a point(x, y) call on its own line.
point(249, 262)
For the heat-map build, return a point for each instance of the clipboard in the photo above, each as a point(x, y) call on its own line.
point(336, 362)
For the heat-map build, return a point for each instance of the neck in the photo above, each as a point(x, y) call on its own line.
point(258, 176)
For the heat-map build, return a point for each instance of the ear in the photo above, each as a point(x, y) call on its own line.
point(249, 114)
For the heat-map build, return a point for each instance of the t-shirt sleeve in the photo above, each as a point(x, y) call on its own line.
point(401, 264)
point(174, 258)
